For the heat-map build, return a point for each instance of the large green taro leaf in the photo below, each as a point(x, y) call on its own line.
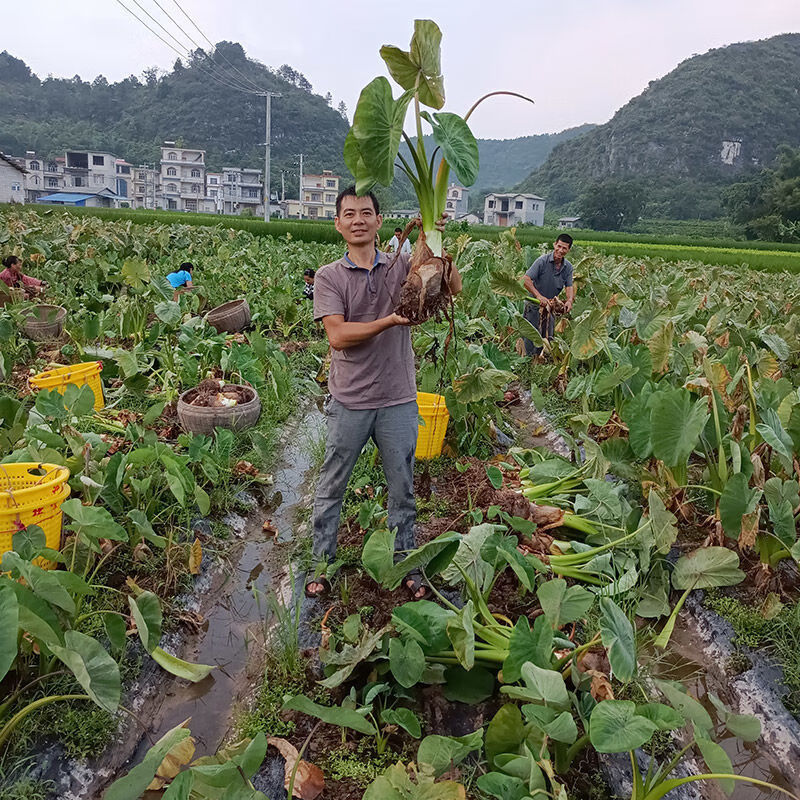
point(459, 146)
point(676, 422)
point(707, 567)
point(615, 727)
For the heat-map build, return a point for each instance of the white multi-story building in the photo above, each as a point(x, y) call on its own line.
point(12, 180)
point(457, 202)
point(243, 190)
point(45, 176)
point(318, 197)
point(506, 209)
point(183, 178)
point(125, 181)
point(146, 186)
point(93, 171)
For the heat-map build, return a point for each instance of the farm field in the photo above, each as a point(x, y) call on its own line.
point(610, 534)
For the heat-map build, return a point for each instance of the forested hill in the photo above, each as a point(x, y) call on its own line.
point(713, 119)
point(133, 117)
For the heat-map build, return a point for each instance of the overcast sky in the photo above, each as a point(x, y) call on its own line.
point(579, 59)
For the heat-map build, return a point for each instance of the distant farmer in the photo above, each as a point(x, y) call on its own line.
point(548, 275)
point(308, 283)
point(372, 381)
point(394, 243)
point(181, 279)
point(14, 278)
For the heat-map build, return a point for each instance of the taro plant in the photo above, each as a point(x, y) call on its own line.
point(373, 144)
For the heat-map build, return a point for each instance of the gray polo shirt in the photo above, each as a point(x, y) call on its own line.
point(549, 279)
point(379, 372)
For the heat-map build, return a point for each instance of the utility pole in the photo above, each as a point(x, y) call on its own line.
point(283, 186)
point(267, 131)
point(300, 192)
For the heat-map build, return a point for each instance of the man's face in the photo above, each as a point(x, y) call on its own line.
point(560, 249)
point(357, 221)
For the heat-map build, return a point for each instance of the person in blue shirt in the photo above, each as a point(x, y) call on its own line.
point(181, 279)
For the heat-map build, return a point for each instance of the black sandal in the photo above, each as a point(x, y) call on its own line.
point(323, 581)
point(413, 584)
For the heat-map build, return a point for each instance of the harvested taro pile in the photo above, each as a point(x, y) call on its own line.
point(425, 291)
point(213, 393)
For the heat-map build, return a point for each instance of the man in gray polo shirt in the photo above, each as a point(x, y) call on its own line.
point(548, 275)
point(372, 380)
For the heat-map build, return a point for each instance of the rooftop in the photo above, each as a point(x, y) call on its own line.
point(10, 160)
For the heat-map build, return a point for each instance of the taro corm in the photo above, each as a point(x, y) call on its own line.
point(373, 144)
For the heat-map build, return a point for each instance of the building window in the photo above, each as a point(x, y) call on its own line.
point(172, 156)
point(15, 187)
point(171, 171)
point(141, 176)
point(52, 166)
point(212, 192)
point(213, 182)
point(230, 177)
point(195, 173)
point(518, 204)
point(52, 183)
point(78, 182)
point(491, 204)
point(34, 165)
point(450, 204)
point(330, 198)
point(195, 188)
point(316, 197)
point(35, 180)
point(125, 170)
point(99, 180)
point(98, 161)
point(329, 214)
point(171, 187)
point(191, 205)
point(330, 184)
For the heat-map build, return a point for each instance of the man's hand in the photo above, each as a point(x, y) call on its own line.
point(568, 305)
point(396, 319)
point(441, 222)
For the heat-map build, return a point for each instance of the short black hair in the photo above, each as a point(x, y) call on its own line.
point(350, 191)
point(564, 237)
point(398, 230)
point(309, 272)
point(187, 265)
point(9, 260)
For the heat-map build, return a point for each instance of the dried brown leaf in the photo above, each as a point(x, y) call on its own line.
point(309, 780)
point(195, 557)
point(749, 532)
point(177, 757)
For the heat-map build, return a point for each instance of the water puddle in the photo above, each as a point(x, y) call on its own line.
point(232, 633)
point(753, 759)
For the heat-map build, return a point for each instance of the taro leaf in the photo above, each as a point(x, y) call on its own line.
point(9, 613)
point(473, 686)
point(615, 727)
point(777, 345)
point(135, 272)
point(793, 426)
point(498, 548)
point(776, 437)
point(503, 787)
point(609, 376)
point(444, 752)
point(481, 384)
point(654, 599)
point(135, 783)
point(127, 361)
point(404, 718)
point(545, 686)
point(495, 476)
point(378, 554)
point(660, 347)
point(663, 523)
point(461, 633)
point(350, 656)
point(425, 622)
point(433, 556)
point(43, 583)
point(602, 502)
point(662, 716)
point(744, 726)
point(636, 415)
point(782, 498)
point(168, 312)
point(146, 611)
point(707, 567)
point(528, 645)
point(717, 761)
point(92, 522)
point(28, 542)
point(378, 126)
point(50, 404)
point(145, 529)
point(355, 163)
point(505, 733)
point(420, 65)
point(676, 424)
point(561, 603)
point(396, 784)
point(202, 499)
point(115, 630)
point(78, 400)
point(177, 666)
point(560, 727)
point(333, 715)
point(685, 705)
point(736, 501)
point(459, 146)
point(470, 559)
point(37, 617)
point(618, 638)
point(407, 662)
point(152, 414)
point(92, 666)
point(589, 335)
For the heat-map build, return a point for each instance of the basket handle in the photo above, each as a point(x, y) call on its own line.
point(9, 490)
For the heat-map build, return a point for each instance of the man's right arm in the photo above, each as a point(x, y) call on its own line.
point(342, 335)
point(528, 281)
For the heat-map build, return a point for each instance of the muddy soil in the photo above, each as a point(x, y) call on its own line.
point(212, 393)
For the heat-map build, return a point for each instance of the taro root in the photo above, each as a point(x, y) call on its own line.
point(425, 291)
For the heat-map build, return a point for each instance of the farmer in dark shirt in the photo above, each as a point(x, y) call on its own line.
point(548, 275)
point(372, 380)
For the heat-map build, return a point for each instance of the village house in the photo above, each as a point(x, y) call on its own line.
point(457, 201)
point(12, 180)
point(183, 178)
point(568, 222)
point(505, 209)
point(318, 194)
point(243, 191)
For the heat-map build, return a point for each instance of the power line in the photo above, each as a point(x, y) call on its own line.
point(216, 52)
point(210, 74)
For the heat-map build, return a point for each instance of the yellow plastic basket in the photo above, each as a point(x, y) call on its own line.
point(430, 435)
point(32, 494)
point(86, 374)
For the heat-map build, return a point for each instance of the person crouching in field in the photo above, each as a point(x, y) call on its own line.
point(14, 278)
point(181, 279)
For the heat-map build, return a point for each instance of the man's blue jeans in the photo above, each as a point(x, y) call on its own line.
point(394, 431)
